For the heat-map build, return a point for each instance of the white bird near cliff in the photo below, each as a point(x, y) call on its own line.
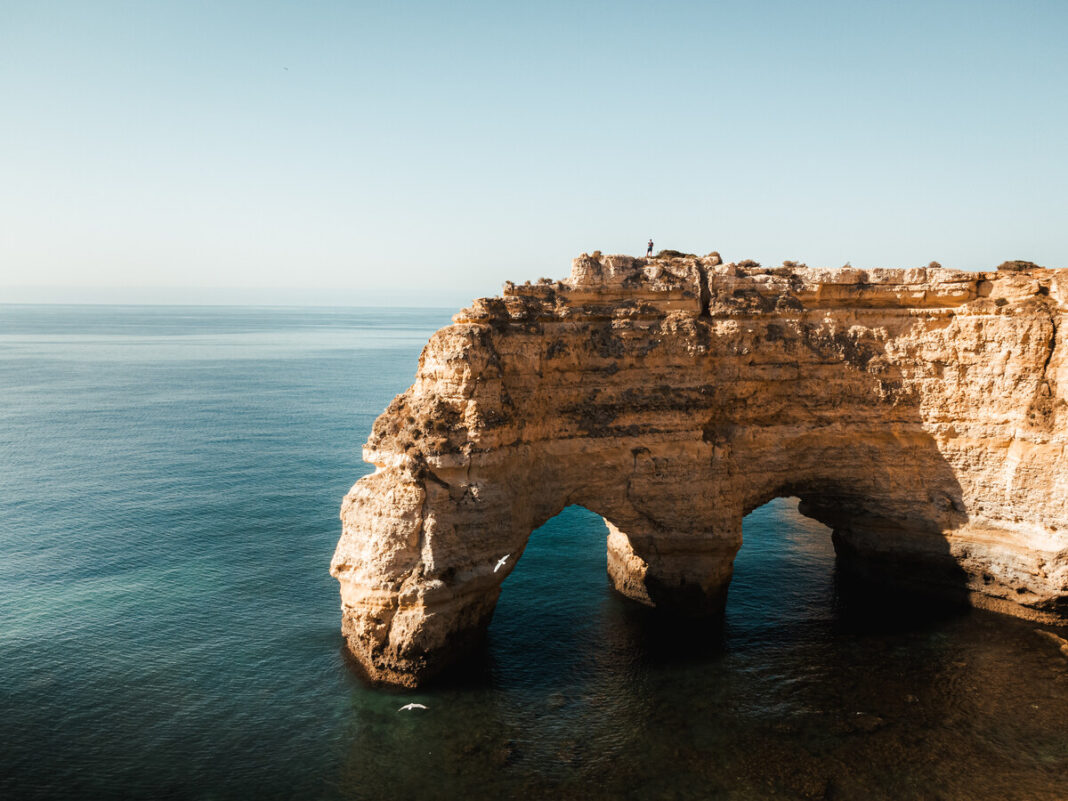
point(501, 561)
point(409, 707)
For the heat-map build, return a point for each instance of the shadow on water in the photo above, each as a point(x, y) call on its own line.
point(636, 634)
point(864, 607)
point(659, 638)
point(815, 685)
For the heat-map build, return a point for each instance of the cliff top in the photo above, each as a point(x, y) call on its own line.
point(618, 285)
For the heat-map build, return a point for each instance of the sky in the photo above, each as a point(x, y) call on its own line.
point(410, 153)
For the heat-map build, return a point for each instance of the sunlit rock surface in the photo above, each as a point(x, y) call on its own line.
point(922, 414)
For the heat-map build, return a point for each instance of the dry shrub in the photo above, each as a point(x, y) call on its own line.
point(1018, 265)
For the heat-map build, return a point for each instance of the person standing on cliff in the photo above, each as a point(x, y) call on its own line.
point(649, 250)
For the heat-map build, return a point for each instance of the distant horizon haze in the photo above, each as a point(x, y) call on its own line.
point(395, 297)
point(415, 154)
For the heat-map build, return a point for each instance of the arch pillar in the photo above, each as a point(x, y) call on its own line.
point(684, 572)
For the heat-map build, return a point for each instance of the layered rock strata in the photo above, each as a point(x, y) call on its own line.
point(922, 414)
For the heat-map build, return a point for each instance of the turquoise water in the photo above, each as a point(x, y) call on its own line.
point(169, 494)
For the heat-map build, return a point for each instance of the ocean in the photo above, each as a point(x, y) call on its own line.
point(170, 479)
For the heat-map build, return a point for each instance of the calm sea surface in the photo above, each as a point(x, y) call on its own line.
point(169, 488)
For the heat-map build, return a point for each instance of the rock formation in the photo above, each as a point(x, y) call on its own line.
point(922, 414)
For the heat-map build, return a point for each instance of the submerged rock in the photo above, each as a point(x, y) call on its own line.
point(922, 414)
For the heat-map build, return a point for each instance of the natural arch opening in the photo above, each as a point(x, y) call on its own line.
point(559, 603)
point(784, 572)
point(551, 602)
point(794, 570)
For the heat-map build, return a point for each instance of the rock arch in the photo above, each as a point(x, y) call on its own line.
point(921, 414)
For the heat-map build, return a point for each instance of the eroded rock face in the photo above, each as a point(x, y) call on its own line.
point(921, 414)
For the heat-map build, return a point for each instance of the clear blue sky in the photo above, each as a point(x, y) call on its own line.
point(382, 152)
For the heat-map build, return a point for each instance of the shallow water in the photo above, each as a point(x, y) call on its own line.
point(168, 508)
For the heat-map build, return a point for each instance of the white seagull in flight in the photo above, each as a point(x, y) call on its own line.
point(410, 707)
point(501, 561)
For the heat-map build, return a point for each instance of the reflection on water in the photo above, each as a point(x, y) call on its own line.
point(168, 628)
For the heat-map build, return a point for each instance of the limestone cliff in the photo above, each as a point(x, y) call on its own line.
point(922, 414)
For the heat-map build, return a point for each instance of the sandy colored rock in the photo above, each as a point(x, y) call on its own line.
point(922, 414)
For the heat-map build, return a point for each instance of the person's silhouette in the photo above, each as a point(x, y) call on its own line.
point(649, 250)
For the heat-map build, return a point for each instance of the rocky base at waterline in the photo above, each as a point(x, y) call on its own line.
point(922, 414)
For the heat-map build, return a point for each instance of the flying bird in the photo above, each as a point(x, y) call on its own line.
point(501, 561)
point(408, 707)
